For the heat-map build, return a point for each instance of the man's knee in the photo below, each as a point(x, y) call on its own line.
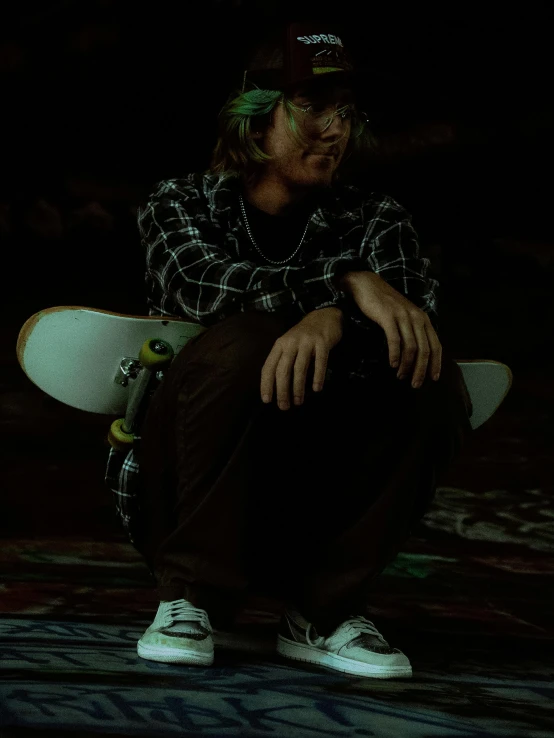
point(241, 341)
point(446, 413)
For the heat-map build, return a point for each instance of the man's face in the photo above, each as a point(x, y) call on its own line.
point(313, 165)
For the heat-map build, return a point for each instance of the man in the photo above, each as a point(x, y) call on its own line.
point(281, 450)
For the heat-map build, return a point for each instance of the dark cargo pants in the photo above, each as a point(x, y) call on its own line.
point(309, 504)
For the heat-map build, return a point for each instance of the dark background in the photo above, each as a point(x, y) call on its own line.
point(102, 99)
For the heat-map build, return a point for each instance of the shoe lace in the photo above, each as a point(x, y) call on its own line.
point(183, 611)
point(355, 626)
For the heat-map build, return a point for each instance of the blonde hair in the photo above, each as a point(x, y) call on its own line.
point(236, 153)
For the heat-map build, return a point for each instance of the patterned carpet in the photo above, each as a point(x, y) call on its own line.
point(468, 600)
point(474, 619)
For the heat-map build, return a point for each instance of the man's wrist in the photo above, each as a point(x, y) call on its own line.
point(337, 310)
point(349, 280)
point(332, 310)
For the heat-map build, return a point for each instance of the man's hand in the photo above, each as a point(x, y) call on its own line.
point(410, 334)
point(314, 336)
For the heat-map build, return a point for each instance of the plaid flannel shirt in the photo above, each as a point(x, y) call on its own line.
point(200, 266)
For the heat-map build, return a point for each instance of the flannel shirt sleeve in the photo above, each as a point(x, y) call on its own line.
point(186, 262)
point(388, 247)
point(391, 247)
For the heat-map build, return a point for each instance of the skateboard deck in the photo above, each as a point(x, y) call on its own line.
point(74, 354)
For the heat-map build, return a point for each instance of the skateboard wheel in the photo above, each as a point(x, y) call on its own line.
point(117, 438)
point(155, 353)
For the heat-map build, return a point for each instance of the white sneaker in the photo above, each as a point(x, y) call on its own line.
point(180, 634)
point(354, 647)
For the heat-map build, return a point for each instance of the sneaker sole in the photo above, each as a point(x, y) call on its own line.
point(310, 655)
point(174, 655)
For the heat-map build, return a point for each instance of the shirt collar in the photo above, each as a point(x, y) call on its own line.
point(225, 198)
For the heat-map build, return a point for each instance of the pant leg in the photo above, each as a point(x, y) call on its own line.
point(377, 449)
point(195, 461)
point(233, 489)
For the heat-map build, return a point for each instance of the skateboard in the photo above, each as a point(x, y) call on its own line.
point(91, 359)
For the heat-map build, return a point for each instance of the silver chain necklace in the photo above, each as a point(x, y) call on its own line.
point(247, 224)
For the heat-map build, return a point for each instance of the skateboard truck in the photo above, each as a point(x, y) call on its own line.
point(154, 355)
point(128, 369)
